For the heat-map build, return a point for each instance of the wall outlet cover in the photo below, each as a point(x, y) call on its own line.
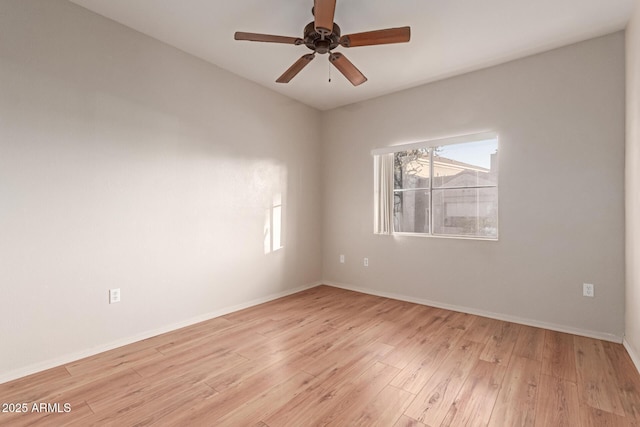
point(588, 290)
point(114, 296)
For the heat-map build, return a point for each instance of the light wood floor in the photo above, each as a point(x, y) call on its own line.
point(329, 356)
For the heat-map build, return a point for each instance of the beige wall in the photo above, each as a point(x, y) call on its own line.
point(125, 163)
point(632, 329)
point(560, 117)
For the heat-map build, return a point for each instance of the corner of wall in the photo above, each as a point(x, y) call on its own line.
point(632, 185)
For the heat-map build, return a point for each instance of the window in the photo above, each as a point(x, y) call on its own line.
point(441, 188)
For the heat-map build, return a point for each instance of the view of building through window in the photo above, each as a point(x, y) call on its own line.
point(447, 190)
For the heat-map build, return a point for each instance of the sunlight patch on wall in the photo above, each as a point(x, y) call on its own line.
point(273, 226)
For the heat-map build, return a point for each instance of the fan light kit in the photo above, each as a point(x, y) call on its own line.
point(323, 35)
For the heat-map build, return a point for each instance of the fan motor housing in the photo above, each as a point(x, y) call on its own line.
point(319, 44)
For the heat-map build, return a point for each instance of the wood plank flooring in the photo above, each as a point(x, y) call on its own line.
point(327, 356)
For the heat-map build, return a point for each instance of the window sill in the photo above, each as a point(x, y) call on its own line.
point(440, 236)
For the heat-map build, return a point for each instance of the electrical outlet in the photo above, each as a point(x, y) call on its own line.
point(341, 259)
point(587, 290)
point(114, 296)
point(366, 262)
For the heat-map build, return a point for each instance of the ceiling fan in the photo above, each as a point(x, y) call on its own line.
point(323, 35)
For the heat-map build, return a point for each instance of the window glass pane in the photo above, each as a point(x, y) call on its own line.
point(411, 211)
point(411, 169)
point(464, 165)
point(466, 212)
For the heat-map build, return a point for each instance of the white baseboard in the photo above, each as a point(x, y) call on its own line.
point(498, 316)
point(71, 357)
point(635, 357)
point(52, 363)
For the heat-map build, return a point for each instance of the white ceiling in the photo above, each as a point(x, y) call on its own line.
point(448, 37)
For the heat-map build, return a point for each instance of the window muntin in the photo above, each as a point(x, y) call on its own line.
point(447, 190)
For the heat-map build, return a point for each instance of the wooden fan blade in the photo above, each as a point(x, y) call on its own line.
point(324, 10)
point(347, 68)
point(254, 37)
point(295, 68)
point(370, 38)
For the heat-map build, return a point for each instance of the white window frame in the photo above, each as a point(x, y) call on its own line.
point(383, 197)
